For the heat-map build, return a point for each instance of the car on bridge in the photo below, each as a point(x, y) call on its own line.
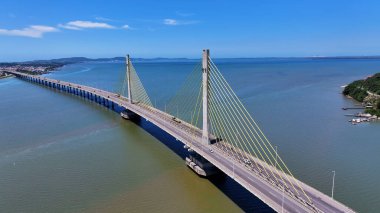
point(176, 120)
point(247, 161)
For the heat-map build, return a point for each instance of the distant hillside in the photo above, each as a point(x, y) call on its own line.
point(70, 60)
point(74, 60)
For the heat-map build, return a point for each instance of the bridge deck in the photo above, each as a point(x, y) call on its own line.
point(249, 176)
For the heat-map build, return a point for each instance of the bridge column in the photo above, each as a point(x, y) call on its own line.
point(205, 82)
point(128, 61)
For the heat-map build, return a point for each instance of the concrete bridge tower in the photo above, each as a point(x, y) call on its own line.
point(205, 93)
point(128, 63)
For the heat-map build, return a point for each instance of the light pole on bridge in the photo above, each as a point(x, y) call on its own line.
point(282, 203)
point(333, 184)
point(233, 170)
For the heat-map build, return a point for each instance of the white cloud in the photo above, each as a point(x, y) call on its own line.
point(127, 27)
point(78, 25)
point(69, 27)
point(33, 31)
point(169, 21)
point(174, 22)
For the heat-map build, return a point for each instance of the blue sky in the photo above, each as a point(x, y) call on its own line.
point(253, 28)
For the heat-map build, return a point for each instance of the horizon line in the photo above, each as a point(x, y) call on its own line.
point(190, 58)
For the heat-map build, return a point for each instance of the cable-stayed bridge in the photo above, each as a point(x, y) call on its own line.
point(210, 120)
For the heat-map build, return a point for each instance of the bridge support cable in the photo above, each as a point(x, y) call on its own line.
point(227, 127)
point(223, 135)
point(239, 122)
point(216, 128)
point(183, 103)
point(291, 182)
point(236, 131)
point(231, 131)
point(243, 131)
point(197, 112)
point(198, 107)
point(138, 92)
point(196, 118)
point(131, 85)
point(121, 83)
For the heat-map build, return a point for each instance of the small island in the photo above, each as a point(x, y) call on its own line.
point(367, 92)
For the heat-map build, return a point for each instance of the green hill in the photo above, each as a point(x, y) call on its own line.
point(359, 89)
point(366, 91)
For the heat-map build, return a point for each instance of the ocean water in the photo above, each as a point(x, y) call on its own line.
point(61, 153)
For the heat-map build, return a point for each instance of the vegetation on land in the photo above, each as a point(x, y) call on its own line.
point(366, 91)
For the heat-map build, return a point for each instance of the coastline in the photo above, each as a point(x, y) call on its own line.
point(359, 91)
point(6, 76)
point(29, 69)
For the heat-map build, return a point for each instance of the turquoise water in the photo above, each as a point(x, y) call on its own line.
point(62, 153)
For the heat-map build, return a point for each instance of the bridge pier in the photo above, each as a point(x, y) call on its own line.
point(200, 165)
point(129, 115)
